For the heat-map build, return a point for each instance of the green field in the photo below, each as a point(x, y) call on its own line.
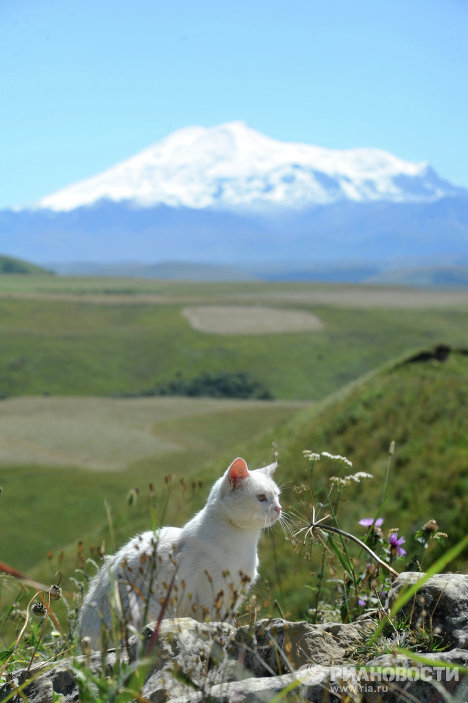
point(61, 458)
point(76, 353)
point(97, 337)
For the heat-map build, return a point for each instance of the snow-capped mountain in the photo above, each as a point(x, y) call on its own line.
point(229, 194)
point(233, 167)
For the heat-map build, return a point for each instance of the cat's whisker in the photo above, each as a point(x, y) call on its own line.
point(287, 517)
point(287, 525)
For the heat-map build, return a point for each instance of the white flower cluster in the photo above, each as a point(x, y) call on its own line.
point(337, 457)
point(348, 479)
point(313, 456)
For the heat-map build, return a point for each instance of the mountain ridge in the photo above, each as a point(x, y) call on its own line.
point(110, 232)
point(234, 195)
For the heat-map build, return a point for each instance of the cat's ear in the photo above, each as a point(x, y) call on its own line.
point(237, 471)
point(270, 469)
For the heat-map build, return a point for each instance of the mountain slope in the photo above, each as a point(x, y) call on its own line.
point(233, 167)
point(9, 265)
point(231, 195)
point(419, 403)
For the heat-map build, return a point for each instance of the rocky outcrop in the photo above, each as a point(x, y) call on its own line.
point(440, 605)
point(189, 662)
point(276, 646)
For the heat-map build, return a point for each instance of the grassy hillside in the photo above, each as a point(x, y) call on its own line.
point(420, 403)
point(9, 265)
point(92, 337)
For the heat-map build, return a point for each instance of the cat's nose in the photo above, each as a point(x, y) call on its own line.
point(278, 508)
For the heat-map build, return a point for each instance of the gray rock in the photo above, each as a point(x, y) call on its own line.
point(184, 661)
point(60, 679)
point(311, 684)
point(272, 647)
point(440, 604)
point(189, 654)
point(375, 682)
point(401, 678)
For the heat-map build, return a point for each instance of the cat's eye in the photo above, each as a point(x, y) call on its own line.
point(261, 497)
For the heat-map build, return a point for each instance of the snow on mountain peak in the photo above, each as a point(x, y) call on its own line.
point(234, 167)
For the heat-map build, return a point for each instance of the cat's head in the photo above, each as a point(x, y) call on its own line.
point(249, 499)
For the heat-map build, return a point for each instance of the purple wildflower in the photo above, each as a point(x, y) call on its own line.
point(395, 543)
point(362, 602)
point(369, 521)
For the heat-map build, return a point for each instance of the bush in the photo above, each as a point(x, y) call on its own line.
point(222, 384)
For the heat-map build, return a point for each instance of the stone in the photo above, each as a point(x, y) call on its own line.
point(277, 646)
point(441, 604)
point(420, 681)
point(185, 661)
point(188, 653)
point(311, 684)
point(60, 679)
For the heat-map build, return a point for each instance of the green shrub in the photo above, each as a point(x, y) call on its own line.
point(222, 384)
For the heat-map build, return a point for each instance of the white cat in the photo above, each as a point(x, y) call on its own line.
point(206, 567)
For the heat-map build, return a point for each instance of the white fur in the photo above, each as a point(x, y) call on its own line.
point(211, 561)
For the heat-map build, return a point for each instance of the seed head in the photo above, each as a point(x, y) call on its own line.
point(55, 592)
point(86, 646)
point(132, 496)
point(39, 609)
point(431, 526)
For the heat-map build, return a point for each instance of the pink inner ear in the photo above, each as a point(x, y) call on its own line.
point(238, 470)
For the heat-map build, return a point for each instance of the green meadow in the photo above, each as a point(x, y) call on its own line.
point(116, 337)
point(60, 462)
point(88, 455)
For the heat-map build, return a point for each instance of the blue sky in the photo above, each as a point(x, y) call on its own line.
point(87, 83)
